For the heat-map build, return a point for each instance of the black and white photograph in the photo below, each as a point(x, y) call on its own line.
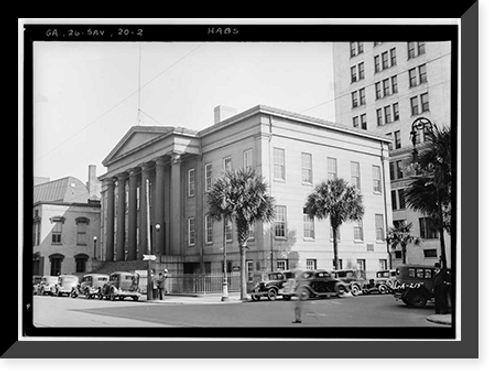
point(243, 181)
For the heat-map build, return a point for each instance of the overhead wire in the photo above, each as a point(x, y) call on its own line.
point(119, 103)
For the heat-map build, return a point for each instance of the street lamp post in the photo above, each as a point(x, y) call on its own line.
point(225, 294)
point(95, 243)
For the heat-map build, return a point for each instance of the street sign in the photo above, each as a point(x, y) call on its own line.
point(148, 257)
point(236, 268)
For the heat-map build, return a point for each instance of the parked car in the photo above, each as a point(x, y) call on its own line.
point(384, 280)
point(414, 284)
point(46, 284)
point(66, 285)
point(354, 277)
point(120, 286)
point(272, 286)
point(314, 283)
point(91, 285)
point(36, 283)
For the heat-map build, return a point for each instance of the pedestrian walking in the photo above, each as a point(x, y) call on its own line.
point(162, 281)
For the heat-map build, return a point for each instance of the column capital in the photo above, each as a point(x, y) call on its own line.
point(133, 172)
point(175, 158)
point(160, 161)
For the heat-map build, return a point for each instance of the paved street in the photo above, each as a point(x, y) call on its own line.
point(363, 311)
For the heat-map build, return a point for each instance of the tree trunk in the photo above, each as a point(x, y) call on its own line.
point(443, 249)
point(335, 246)
point(243, 277)
point(403, 253)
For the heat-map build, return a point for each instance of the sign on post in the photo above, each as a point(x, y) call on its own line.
point(148, 257)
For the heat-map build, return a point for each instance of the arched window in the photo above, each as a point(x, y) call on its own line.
point(56, 264)
point(81, 262)
point(57, 229)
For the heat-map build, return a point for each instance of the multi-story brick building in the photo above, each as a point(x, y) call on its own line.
point(383, 87)
point(293, 153)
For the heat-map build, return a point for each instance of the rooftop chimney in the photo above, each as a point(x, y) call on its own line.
point(93, 184)
point(223, 112)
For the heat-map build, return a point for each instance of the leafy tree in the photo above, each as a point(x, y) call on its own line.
point(430, 191)
point(241, 197)
point(337, 200)
point(400, 236)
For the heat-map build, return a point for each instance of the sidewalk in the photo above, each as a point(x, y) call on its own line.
point(197, 298)
point(443, 319)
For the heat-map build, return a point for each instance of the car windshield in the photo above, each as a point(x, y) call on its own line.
point(382, 274)
point(275, 276)
point(68, 280)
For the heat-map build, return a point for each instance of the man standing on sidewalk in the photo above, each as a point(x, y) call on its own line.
point(161, 284)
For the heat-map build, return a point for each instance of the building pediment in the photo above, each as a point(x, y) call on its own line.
point(136, 138)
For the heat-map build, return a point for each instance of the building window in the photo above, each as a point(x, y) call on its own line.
point(364, 124)
point(228, 230)
point(81, 263)
point(379, 227)
point(395, 111)
point(357, 72)
point(394, 200)
point(427, 231)
point(388, 114)
point(378, 90)
point(415, 49)
point(280, 222)
point(424, 101)
point(251, 231)
point(250, 270)
point(397, 139)
point(380, 118)
point(387, 59)
point(418, 75)
point(209, 230)
point(56, 264)
point(248, 158)
point(355, 175)
point(227, 164)
point(355, 121)
point(393, 57)
point(81, 233)
point(208, 177)
point(394, 84)
point(191, 232)
point(430, 252)
point(377, 179)
point(362, 97)
point(358, 98)
point(402, 199)
point(382, 264)
point(361, 264)
point(356, 48)
point(377, 63)
point(423, 106)
point(311, 264)
point(354, 74)
point(389, 135)
point(331, 164)
point(279, 164)
point(57, 233)
point(399, 169)
point(358, 230)
point(191, 183)
point(307, 168)
point(282, 264)
point(361, 70)
point(308, 226)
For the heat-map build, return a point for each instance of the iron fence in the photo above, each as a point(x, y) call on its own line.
point(197, 283)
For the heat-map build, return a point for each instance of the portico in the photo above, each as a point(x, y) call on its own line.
point(146, 161)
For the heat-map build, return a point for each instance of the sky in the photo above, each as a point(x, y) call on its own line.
point(87, 95)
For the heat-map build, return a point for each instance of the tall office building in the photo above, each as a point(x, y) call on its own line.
point(383, 87)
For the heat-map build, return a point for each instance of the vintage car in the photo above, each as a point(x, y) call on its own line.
point(414, 284)
point(66, 285)
point(120, 286)
point(46, 284)
point(384, 280)
point(91, 285)
point(272, 286)
point(354, 277)
point(36, 283)
point(315, 283)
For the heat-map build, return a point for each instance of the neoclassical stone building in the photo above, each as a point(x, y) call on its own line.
point(175, 168)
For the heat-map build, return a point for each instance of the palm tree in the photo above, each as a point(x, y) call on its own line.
point(241, 196)
point(337, 200)
point(400, 236)
point(430, 192)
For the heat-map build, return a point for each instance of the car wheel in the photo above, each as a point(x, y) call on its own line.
point(356, 290)
point(87, 293)
point(341, 291)
point(287, 298)
point(417, 300)
point(135, 298)
point(272, 294)
point(382, 289)
point(255, 298)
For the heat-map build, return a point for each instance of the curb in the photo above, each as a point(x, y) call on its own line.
point(443, 319)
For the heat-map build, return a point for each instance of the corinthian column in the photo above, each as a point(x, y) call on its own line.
point(175, 205)
point(143, 223)
point(120, 219)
